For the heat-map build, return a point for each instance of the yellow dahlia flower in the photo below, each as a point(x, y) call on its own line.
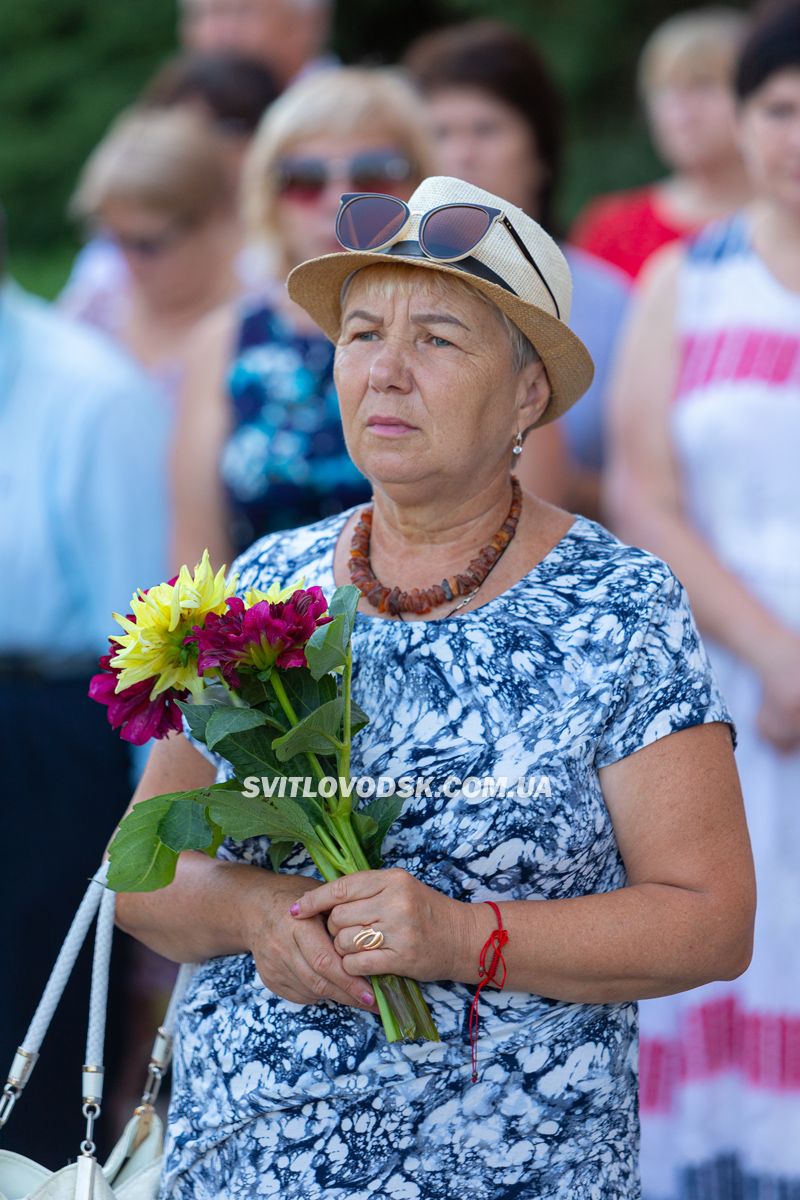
point(274, 594)
point(152, 646)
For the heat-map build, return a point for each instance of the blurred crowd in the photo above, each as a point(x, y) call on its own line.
point(175, 399)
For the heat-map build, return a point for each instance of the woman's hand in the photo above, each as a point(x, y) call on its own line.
point(296, 959)
point(427, 935)
point(779, 715)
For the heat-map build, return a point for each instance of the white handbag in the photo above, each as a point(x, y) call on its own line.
point(133, 1168)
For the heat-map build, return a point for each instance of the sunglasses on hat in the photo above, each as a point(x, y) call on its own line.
point(305, 178)
point(447, 234)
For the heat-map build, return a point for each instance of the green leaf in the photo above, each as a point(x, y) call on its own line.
point(319, 732)
point(282, 819)
point(358, 718)
point(306, 693)
point(278, 853)
point(372, 823)
point(226, 721)
point(139, 860)
point(326, 649)
point(184, 826)
point(217, 837)
point(250, 753)
point(145, 849)
point(344, 602)
point(197, 717)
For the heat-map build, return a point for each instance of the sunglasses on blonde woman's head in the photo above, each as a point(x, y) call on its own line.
point(447, 233)
point(305, 178)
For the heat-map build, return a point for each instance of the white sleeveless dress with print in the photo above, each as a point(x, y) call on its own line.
point(720, 1066)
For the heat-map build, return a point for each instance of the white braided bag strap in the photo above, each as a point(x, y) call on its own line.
point(93, 1063)
point(28, 1052)
point(161, 1052)
point(98, 899)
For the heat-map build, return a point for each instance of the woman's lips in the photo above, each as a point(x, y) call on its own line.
point(389, 426)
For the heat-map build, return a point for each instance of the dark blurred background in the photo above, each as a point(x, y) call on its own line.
point(68, 66)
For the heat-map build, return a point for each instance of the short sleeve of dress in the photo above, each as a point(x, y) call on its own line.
point(665, 682)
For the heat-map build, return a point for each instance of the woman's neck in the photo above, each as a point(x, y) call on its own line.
point(417, 544)
point(155, 329)
point(775, 234)
point(695, 197)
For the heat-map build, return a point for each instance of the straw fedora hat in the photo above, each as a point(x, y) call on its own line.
point(496, 267)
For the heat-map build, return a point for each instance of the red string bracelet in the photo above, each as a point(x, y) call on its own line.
point(495, 942)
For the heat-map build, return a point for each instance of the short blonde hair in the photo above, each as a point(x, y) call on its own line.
point(164, 159)
point(340, 103)
point(701, 44)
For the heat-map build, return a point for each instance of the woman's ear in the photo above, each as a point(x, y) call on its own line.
point(533, 395)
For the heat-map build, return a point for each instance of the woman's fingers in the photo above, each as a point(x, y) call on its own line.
point(362, 939)
point(360, 886)
point(322, 972)
point(297, 959)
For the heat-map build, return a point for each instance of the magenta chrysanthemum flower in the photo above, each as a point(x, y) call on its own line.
point(261, 637)
point(137, 717)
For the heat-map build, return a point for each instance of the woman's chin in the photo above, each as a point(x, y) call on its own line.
point(394, 463)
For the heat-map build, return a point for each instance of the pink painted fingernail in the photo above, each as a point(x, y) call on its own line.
point(367, 998)
point(295, 909)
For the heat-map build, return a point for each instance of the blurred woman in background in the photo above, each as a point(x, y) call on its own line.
point(685, 84)
point(704, 472)
point(497, 119)
point(231, 94)
point(159, 189)
point(259, 444)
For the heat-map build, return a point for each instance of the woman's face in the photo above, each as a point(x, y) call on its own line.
point(316, 171)
point(769, 136)
point(692, 122)
point(485, 142)
point(163, 254)
point(425, 382)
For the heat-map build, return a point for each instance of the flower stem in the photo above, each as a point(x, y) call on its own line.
point(293, 719)
point(323, 865)
point(347, 678)
point(334, 853)
point(390, 1026)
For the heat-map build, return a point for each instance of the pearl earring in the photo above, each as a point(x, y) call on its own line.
point(516, 449)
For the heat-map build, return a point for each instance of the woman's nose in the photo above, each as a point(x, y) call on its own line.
point(390, 370)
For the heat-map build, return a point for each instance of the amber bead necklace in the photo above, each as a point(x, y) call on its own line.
point(423, 600)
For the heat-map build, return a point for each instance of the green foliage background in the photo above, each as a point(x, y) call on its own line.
point(68, 66)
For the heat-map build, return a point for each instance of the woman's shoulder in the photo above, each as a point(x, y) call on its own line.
point(290, 554)
point(719, 241)
point(607, 573)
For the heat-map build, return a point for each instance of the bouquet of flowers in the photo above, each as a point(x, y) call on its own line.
point(264, 681)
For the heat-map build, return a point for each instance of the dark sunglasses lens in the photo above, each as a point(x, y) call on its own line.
point(302, 177)
point(453, 231)
point(379, 172)
point(370, 221)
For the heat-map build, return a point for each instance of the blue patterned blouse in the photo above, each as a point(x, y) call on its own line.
point(588, 658)
point(285, 462)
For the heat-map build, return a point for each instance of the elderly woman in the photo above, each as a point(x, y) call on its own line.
point(553, 662)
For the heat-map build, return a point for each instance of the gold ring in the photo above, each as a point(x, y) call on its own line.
point(369, 939)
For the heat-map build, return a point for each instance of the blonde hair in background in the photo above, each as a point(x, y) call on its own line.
point(692, 46)
point(168, 160)
point(343, 102)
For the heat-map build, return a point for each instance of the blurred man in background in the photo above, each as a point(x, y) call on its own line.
point(289, 36)
point(84, 522)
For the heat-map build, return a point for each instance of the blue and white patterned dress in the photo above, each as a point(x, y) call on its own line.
point(588, 658)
